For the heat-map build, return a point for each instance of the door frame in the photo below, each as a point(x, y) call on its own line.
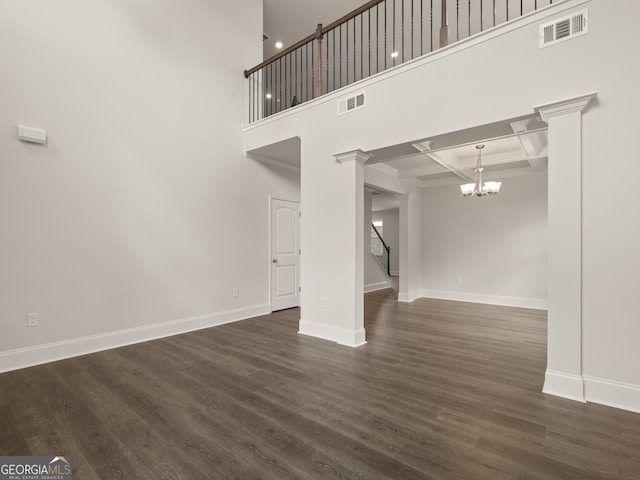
point(273, 197)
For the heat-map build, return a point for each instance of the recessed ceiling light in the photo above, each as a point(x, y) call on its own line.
point(394, 54)
point(268, 95)
point(278, 44)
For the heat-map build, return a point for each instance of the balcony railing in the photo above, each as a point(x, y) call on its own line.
point(373, 38)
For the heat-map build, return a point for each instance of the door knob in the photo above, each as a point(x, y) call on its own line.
point(275, 260)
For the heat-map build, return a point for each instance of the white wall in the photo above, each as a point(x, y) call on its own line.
point(141, 209)
point(490, 249)
point(391, 225)
point(515, 78)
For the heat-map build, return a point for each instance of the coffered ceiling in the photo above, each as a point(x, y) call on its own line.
point(514, 148)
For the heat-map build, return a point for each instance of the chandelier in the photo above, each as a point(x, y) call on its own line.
point(478, 189)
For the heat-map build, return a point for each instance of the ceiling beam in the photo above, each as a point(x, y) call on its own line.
point(541, 166)
point(532, 146)
point(425, 147)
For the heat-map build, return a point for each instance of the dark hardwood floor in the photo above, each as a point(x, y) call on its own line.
point(442, 390)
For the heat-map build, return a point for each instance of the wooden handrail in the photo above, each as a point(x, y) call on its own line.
point(277, 56)
point(320, 31)
point(351, 15)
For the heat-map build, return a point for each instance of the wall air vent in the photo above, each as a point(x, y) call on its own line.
point(350, 104)
point(564, 28)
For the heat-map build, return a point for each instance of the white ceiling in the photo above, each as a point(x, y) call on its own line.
point(289, 21)
point(285, 153)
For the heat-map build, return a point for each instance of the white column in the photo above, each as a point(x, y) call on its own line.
point(410, 234)
point(333, 249)
point(564, 344)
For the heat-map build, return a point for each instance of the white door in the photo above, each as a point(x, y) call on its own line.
point(285, 254)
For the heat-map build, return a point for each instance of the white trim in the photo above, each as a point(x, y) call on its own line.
point(409, 297)
point(374, 287)
point(563, 107)
point(613, 394)
point(563, 385)
point(354, 155)
point(51, 352)
point(523, 302)
point(350, 338)
point(256, 157)
point(478, 38)
point(395, 273)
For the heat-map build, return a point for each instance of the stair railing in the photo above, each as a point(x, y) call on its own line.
point(380, 34)
point(380, 250)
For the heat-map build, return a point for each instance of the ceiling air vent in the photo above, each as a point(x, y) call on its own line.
point(350, 104)
point(564, 28)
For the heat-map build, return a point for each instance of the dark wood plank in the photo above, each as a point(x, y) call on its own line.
point(442, 390)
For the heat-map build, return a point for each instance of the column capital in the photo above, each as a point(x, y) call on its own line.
point(355, 155)
point(563, 107)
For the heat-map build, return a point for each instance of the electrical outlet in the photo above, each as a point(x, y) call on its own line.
point(32, 320)
point(236, 292)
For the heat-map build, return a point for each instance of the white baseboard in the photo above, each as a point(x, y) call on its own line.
point(374, 287)
point(395, 273)
point(612, 394)
point(409, 297)
point(51, 352)
point(535, 303)
point(564, 385)
point(351, 338)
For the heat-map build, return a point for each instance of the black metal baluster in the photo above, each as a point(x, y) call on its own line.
point(361, 45)
point(412, 33)
point(355, 56)
point(377, 38)
point(457, 19)
point(334, 58)
point(431, 28)
point(340, 57)
point(369, 41)
point(355, 68)
point(421, 28)
point(402, 28)
point(346, 54)
point(326, 47)
point(354, 50)
point(281, 86)
point(393, 32)
point(385, 35)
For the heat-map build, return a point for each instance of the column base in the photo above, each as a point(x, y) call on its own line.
point(350, 338)
point(564, 385)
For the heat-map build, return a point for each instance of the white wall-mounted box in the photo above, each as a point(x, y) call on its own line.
point(33, 135)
